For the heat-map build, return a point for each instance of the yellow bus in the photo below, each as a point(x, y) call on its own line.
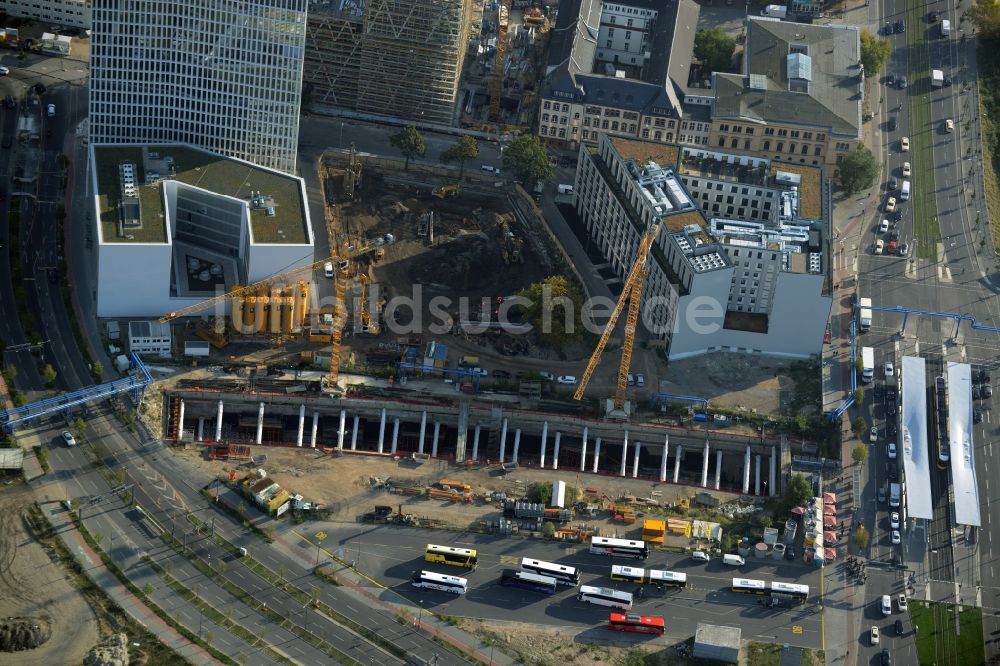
point(459, 557)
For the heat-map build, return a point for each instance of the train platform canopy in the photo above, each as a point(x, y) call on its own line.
point(963, 459)
point(914, 450)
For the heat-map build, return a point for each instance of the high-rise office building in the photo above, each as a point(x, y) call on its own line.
point(224, 75)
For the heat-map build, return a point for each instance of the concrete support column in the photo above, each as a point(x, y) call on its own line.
point(663, 460)
point(583, 452)
point(475, 444)
point(718, 468)
point(772, 487)
point(218, 424)
point(704, 466)
point(434, 441)
point(340, 432)
point(260, 423)
point(315, 430)
point(354, 433)
point(517, 444)
point(503, 440)
point(395, 435)
point(621, 472)
point(635, 461)
point(423, 431)
point(746, 471)
point(677, 463)
point(462, 437)
point(597, 454)
point(201, 428)
point(555, 451)
point(302, 425)
point(180, 422)
point(756, 477)
point(381, 433)
point(545, 440)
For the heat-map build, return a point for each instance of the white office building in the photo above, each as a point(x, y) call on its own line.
point(743, 285)
point(224, 75)
point(148, 338)
point(176, 225)
point(75, 13)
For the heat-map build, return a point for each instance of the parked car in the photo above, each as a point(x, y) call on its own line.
point(895, 537)
point(889, 369)
point(873, 634)
point(902, 602)
point(890, 204)
point(893, 124)
point(873, 434)
point(68, 438)
point(894, 520)
point(879, 246)
point(547, 376)
point(567, 379)
point(987, 391)
point(891, 450)
point(904, 144)
point(640, 379)
point(903, 250)
point(883, 227)
point(4, 71)
point(631, 379)
point(881, 495)
point(906, 169)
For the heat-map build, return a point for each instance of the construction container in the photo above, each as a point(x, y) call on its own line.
point(654, 530)
point(558, 494)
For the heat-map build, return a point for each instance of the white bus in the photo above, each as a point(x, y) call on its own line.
point(789, 590)
point(628, 574)
point(528, 581)
point(606, 546)
point(603, 596)
point(749, 586)
point(436, 581)
point(563, 574)
point(667, 578)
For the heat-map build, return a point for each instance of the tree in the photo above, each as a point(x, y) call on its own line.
point(858, 426)
point(714, 48)
point(874, 53)
point(858, 170)
point(527, 158)
point(861, 537)
point(798, 491)
point(985, 14)
point(548, 529)
point(49, 374)
point(859, 453)
point(97, 369)
point(859, 395)
point(464, 149)
point(409, 142)
point(79, 428)
point(553, 308)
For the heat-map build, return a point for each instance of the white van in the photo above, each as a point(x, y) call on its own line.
point(733, 560)
point(700, 556)
point(491, 169)
point(565, 189)
point(904, 192)
point(328, 269)
point(886, 605)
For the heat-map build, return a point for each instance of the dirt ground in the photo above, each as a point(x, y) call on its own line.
point(32, 585)
point(738, 381)
point(345, 484)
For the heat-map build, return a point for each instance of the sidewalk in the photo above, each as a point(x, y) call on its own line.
point(95, 570)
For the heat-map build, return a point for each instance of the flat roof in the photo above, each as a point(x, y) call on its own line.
point(914, 449)
point(810, 188)
point(642, 152)
point(208, 171)
point(963, 459)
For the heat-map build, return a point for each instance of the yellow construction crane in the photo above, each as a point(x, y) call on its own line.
point(367, 325)
point(632, 293)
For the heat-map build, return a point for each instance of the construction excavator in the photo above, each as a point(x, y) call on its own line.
point(631, 294)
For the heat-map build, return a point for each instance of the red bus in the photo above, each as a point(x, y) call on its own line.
point(642, 624)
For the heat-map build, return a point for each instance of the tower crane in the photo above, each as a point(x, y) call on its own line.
point(632, 293)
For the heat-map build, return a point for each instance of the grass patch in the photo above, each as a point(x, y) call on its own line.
point(988, 71)
point(941, 638)
point(922, 127)
point(42, 454)
point(763, 654)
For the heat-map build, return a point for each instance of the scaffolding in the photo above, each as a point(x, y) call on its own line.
point(400, 58)
point(332, 64)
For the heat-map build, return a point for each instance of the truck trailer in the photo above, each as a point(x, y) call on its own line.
point(864, 314)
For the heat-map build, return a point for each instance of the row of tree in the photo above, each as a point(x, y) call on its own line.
point(525, 157)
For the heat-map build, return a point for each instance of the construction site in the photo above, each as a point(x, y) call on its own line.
point(450, 62)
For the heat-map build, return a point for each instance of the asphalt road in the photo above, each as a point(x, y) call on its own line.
point(391, 554)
